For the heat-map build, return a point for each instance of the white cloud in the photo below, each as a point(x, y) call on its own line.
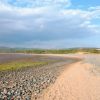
point(45, 23)
point(37, 3)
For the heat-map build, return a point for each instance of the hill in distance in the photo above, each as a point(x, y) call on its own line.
point(49, 51)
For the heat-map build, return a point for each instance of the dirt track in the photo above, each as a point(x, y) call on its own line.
point(75, 83)
point(29, 82)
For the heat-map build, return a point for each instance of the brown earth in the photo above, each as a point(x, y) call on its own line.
point(76, 82)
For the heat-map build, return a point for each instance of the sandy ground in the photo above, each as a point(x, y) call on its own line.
point(76, 82)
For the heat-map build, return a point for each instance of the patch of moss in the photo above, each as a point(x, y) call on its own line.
point(19, 65)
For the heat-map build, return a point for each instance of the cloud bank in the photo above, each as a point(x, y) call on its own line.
point(35, 23)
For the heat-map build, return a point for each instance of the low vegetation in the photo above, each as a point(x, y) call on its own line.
point(63, 51)
point(21, 61)
point(49, 51)
point(18, 65)
point(35, 73)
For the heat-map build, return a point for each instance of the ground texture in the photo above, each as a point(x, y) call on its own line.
point(64, 77)
point(28, 82)
point(76, 82)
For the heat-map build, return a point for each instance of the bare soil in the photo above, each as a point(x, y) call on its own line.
point(76, 82)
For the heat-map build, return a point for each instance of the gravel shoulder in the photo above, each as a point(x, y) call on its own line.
point(75, 83)
point(62, 80)
point(28, 83)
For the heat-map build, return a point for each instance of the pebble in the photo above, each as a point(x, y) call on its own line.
point(21, 84)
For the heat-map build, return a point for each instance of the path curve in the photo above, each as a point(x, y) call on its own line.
point(75, 83)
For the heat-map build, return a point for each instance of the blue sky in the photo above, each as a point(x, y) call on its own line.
point(86, 3)
point(50, 23)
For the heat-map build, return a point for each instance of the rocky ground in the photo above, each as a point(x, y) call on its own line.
point(79, 81)
point(27, 83)
point(94, 60)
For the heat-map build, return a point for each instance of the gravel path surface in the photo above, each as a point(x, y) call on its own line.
point(75, 83)
point(28, 83)
point(94, 60)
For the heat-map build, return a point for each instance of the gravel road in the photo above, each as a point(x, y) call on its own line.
point(28, 83)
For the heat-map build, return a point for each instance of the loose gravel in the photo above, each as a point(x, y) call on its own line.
point(93, 59)
point(27, 83)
